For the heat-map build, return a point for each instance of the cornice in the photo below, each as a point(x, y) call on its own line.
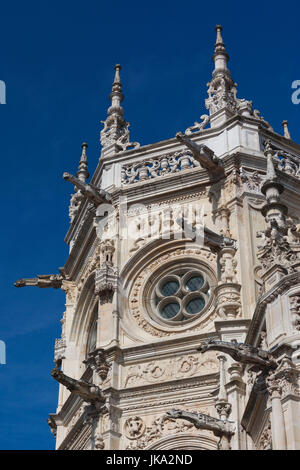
point(152, 390)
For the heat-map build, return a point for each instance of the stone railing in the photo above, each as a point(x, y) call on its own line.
point(154, 167)
point(288, 163)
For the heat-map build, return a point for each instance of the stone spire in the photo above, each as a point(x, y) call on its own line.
point(222, 102)
point(82, 173)
point(114, 136)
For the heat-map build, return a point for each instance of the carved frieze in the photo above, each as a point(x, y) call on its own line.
point(170, 369)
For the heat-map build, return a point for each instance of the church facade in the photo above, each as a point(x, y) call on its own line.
point(182, 321)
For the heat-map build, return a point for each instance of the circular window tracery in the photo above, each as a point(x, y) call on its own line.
point(180, 295)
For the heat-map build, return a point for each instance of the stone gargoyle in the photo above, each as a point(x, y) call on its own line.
point(240, 352)
point(222, 429)
point(202, 153)
point(203, 421)
point(95, 195)
point(87, 391)
point(42, 280)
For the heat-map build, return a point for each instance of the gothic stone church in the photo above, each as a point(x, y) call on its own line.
point(182, 321)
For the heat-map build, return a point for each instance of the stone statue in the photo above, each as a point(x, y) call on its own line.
point(88, 392)
point(240, 352)
point(94, 194)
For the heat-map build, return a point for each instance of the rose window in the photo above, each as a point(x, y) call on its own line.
point(180, 295)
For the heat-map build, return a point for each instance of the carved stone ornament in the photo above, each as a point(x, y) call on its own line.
point(52, 424)
point(98, 362)
point(284, 380)
point(295, 311)
point(161, 166)
point(59, 349)
point(198, 126)
point(99, 442)
point(252, 181)
point(223, 409)
point(134, 427)
point(170, 369)
point(160, 427)
point(70, 289)
point(265, 440)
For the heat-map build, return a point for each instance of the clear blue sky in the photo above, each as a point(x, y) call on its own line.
point(57, 61)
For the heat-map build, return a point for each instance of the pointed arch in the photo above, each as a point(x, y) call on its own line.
point(85, 310)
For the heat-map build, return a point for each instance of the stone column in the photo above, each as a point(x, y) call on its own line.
point(277, 419)
point(223, 407)
point(236, 390)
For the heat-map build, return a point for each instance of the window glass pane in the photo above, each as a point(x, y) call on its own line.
point(195, 283)
point(92, 338)
point(170, 310)
point(169, 288)
point(195, 305)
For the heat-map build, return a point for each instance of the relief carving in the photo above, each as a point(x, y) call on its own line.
point(165, 370)
point(142, 436)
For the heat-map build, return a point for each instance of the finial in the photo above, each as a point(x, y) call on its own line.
point(269, 152)
point(82, 172)
point(117, 74)
point(220, 56)
point(286, 131)
point(116, 95)
point(219, 30)
point(274, 209)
